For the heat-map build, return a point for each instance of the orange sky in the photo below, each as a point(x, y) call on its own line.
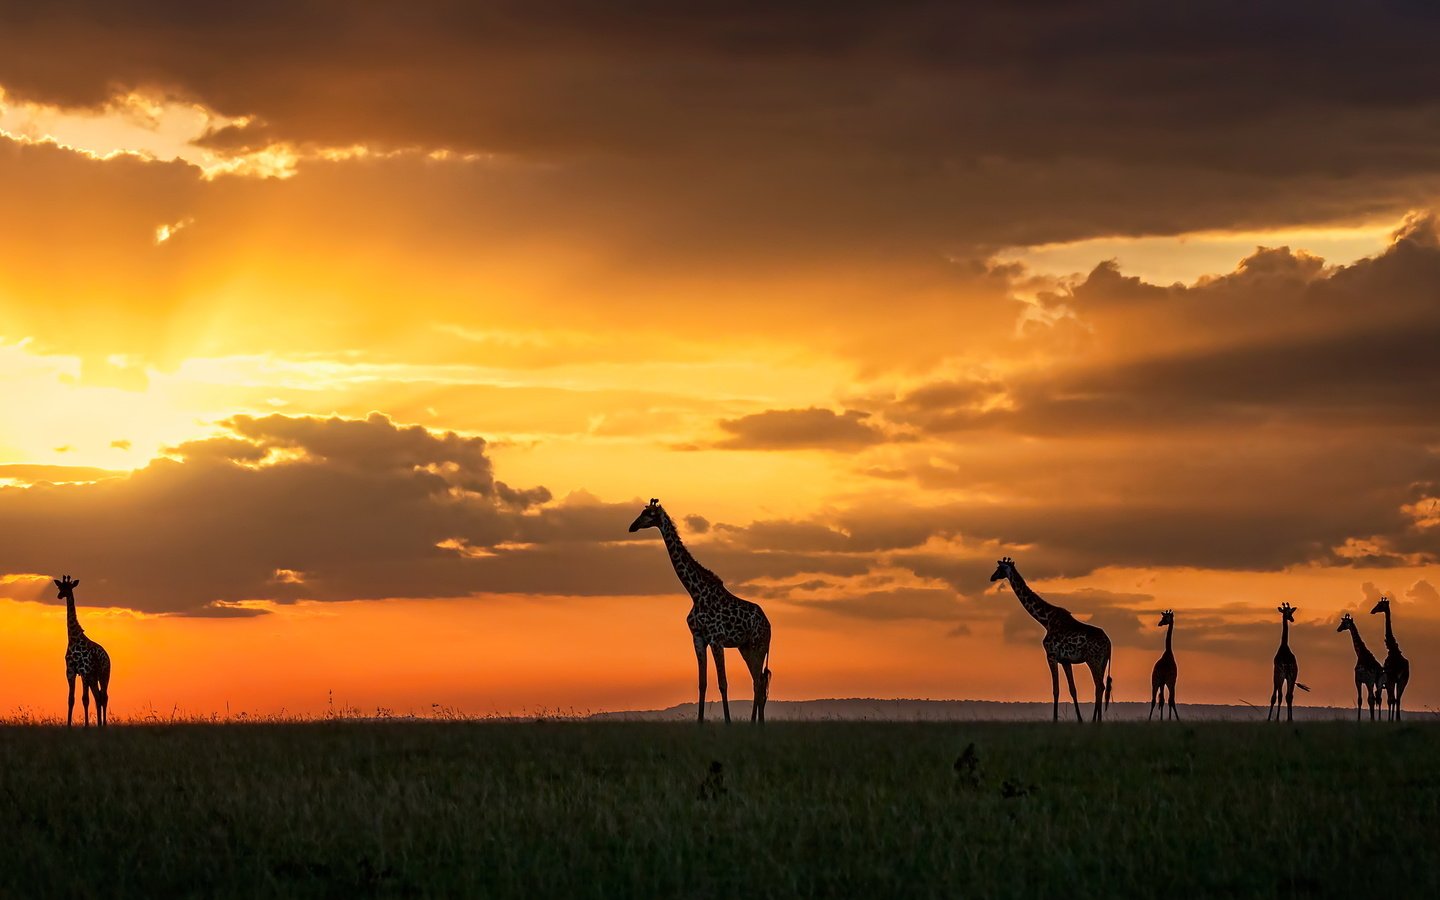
point(324, 374)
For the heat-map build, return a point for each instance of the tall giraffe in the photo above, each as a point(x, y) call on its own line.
point(1165, 671)
point(1368, 671)
point(85, 658)
point(1067, 641)
point(1286, 669)
point(1397, 667)
point(717, 619)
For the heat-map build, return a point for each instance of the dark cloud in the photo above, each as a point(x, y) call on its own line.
point(880, 127)
point(794, 429)
point(360, 509)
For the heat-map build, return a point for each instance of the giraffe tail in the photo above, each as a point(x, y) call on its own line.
point(1302, 687)
point(1109, 682)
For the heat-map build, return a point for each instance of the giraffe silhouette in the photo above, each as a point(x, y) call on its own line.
point(1165, 671)
point(717, 619)
point(85, 658)
point(1067, 641)
point(1397, 667)
point(1286, 669)
point(1368, 671)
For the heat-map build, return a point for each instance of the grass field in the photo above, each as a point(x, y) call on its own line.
point(631, 809)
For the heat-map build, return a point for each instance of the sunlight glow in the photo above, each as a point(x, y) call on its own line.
point(1186, 258)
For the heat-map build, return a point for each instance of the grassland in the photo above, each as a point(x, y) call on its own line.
point(633, 809)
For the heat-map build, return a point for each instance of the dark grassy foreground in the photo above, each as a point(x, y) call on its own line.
point(588, 810)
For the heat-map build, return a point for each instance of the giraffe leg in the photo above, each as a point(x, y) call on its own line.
point(1054, 690)
point(1357, 699)
point(1098, 673)
point(85, 699)
point(1074, 698)
point(1157, 691)
point(719, 652)
point(102, 708)
point(70, 707)
point(1399, 695)
point(700, 658)
point(1290, 701)
point(1274, 698)
point(754, 656)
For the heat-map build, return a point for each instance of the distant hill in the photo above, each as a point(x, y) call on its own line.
point(862, 709)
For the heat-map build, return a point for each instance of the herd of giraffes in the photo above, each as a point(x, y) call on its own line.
point(719, 620)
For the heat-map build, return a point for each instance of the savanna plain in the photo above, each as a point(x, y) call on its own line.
point(609, 809)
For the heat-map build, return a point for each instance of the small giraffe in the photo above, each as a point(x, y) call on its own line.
point(1163, 676)
point(1368, 671)
point(1067, 641)
point(1397, 667)
point(718, 619)
point(1286, 669)
point(85, 658)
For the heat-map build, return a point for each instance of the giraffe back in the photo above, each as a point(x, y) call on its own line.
point(719, 618)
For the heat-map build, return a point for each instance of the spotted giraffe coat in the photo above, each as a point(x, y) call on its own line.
point(717, 617)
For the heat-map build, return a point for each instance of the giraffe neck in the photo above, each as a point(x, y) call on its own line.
point(72, 622)
point(1169, 632)
point(691, 573)
point(1284, 632)
point(1361, 651)
point(1034, 604)
point(1389, 635)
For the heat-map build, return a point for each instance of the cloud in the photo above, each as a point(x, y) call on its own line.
point(882, 127)
point(359, 506)
point(1423, 592)
point(931, 604)
point(793, 429)
point(283, 508)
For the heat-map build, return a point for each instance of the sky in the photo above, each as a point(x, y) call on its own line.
point(339, 346)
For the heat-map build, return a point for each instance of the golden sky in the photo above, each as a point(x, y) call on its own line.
point(339, 347)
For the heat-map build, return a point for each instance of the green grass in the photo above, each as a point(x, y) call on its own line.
point(616, 809)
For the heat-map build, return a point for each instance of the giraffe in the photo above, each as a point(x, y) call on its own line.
point(717, 619)
point(1067, 641)
point(1397, 667)
point(85, 658)
point(1368, 671)
point(1286, 669)
point(1165, 670)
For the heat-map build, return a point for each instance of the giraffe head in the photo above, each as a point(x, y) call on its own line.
point(1287, 612)
point(1382, 606)
point(650, 517)
point(67, 587)
point(1004, 568)
point(1167, 618)
point(1346, 622)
